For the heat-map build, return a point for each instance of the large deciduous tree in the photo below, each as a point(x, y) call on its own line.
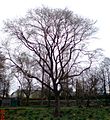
point(58, 38)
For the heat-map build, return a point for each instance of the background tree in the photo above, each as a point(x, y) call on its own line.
point(105, 75)
point(27, 85)
point(54, 33)
point(5, 77)
point(91, 84)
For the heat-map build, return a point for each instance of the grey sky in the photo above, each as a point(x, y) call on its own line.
point(93, 9)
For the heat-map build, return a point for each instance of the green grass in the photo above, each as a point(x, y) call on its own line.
point(67, 113)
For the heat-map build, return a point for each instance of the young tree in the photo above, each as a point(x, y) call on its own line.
point(50, 34)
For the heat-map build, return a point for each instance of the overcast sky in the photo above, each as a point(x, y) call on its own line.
point(93, 9)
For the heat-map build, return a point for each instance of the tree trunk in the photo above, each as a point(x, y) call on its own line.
point(42, 89)
point(3, 94)
point(57, 106)
point(27, 100)
point(104, 87)
point(67, 98)
point(42, 95)
point(49, 98)
point(88, 102)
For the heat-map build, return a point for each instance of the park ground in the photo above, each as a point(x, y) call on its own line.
point(67, 113)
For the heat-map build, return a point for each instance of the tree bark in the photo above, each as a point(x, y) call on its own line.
point(57, 106)
point(27, 100)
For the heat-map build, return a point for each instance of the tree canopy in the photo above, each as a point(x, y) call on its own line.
point(57, 40)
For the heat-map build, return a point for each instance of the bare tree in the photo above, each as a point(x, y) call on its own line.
point(91, 84)
point(54, 33)
point(88, 86)
point(105, 75)
point(5, 77)
point(27, 85)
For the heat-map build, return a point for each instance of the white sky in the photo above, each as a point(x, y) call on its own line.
point(93, 9)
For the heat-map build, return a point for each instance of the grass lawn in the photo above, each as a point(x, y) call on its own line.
point(67, 113)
